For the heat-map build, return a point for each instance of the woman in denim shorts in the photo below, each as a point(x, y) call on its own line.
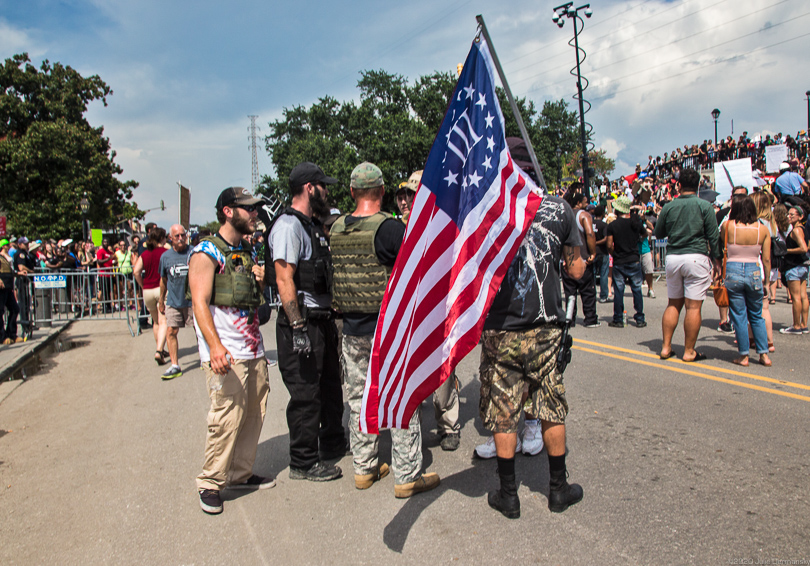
point(796, 271)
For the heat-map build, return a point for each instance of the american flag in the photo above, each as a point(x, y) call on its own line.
point(470, 214)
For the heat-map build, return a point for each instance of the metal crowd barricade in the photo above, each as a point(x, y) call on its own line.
point(659, 250)
point(99, 294)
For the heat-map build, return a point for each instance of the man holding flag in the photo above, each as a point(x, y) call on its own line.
point(470, 214)
point(519, 346)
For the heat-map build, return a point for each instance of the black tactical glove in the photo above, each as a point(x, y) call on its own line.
point(301, 343)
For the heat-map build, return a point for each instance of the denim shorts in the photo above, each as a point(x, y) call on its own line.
point(798, 273)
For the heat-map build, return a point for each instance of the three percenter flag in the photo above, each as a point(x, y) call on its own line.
point(470, 214)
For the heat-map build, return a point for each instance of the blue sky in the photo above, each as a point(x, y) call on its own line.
point(186, 75)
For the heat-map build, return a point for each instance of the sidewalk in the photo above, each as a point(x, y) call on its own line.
point(15, 356)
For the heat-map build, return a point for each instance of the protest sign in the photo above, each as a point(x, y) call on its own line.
point(774, 156)
point(730, 174)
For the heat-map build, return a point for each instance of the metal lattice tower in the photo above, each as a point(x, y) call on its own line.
point(254, 152)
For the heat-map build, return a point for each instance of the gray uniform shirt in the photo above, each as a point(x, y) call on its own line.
point(290, 242)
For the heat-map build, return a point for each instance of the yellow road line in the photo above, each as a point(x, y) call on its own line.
point(677, 369)
point(698, 365)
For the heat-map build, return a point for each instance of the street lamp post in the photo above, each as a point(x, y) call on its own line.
point(807, 94)
point(715, 115)
point(84, 205)
point(558, 153)
point(561, 12)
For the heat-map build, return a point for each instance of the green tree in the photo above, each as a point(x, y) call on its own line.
point(50, 156)
point(393, 126)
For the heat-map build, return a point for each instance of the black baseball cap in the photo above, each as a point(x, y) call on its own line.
point(307, 172)
point(235, 195)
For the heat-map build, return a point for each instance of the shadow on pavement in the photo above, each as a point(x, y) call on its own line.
point(474, 482)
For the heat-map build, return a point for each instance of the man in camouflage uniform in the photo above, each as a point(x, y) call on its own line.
point(364, 246)
point(445, 399)
point(519, 346)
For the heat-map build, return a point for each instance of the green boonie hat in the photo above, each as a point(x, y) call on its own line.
point(366, 176)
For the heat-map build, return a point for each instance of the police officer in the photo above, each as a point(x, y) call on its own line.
point(519, 346)
point(445, 399)
point(365, 245)
point(300, 270)
point(225, 289)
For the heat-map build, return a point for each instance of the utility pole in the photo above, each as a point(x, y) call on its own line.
point(254, 152)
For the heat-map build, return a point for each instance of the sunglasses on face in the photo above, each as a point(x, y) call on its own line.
point(247, 207)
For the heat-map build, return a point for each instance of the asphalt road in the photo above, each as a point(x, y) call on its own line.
point(681, 464)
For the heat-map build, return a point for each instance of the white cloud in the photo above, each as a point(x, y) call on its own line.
point(16, 40)
point(612, 148)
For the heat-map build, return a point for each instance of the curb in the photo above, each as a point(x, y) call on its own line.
point(7, 372)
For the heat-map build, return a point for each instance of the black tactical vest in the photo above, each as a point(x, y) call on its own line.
point(313, 275)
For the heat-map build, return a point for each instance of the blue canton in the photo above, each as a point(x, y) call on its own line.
point(464, 160)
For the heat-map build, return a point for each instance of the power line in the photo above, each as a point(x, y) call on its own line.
point(655, 15)
point(654, 48)
point(635, 37)
point(647, 69)
point(726, 60)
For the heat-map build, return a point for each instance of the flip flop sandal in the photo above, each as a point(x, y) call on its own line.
point(698, 358)
point(668, 356)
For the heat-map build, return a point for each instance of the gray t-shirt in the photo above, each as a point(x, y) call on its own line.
point(290, 242)
point(174, 267)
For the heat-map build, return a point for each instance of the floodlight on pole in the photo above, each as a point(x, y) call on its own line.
point(561, 12)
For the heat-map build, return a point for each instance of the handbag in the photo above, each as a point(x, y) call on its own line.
point(719, 288)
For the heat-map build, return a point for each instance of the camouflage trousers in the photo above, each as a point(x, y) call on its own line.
point(512, 361)
point(406, 445)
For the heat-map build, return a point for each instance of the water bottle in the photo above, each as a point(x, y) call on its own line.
point(216, 382)
point(218, 379)
point(624, 318)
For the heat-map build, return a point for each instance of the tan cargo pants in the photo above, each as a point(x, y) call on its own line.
point(234, 422)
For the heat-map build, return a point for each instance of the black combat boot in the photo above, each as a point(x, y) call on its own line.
point(561, 494)
point(506, 499)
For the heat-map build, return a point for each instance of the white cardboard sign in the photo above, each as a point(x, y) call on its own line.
point(730, 174)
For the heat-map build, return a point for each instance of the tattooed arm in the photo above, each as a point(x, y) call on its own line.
point(287, 291)
point(573, 263)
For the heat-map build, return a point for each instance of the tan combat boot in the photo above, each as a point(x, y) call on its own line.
point(365, 481)
point(424, 483)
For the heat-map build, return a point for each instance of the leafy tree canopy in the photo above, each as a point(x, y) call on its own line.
point(394, 126)
point(50, 155)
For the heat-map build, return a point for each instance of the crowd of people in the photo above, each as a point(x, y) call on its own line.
point(324, 266)
point(753, 244)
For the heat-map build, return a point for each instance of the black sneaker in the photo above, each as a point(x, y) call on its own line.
point(255, 482)
point(616, 324)
point(725, 328)
point(450, 441)
point(210, 501)
point(317, 472)
point(641, 324)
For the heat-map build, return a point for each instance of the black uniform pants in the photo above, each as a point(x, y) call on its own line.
point(8, 303)
point(586, 288)
point(315, 410)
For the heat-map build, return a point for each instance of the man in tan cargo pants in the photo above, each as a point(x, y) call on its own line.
point(225, 285)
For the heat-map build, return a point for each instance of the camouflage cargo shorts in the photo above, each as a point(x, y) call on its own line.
point(512, 361)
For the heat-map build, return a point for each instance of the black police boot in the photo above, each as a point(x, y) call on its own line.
point(506, 499)
point(562, 494)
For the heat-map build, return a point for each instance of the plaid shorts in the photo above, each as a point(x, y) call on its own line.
point(511, 361)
